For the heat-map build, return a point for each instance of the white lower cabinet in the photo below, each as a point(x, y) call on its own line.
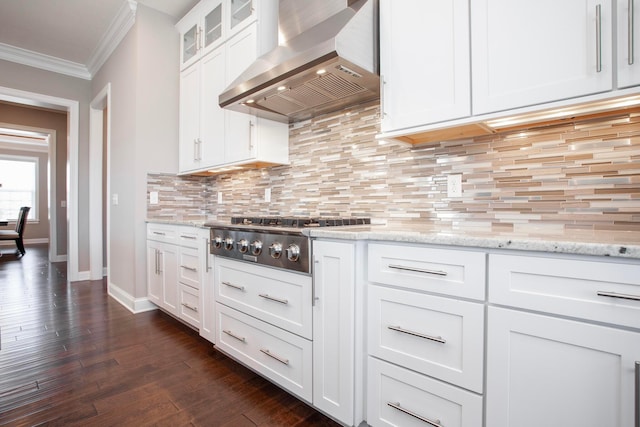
point(547, 371)
point(576, 360)
point(399, 397)
point(176, 269)
point(425, 343)
point(335, 337)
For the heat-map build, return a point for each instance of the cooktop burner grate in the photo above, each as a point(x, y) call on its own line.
point(298, 222)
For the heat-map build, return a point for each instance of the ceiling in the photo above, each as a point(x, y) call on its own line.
point(70, 30)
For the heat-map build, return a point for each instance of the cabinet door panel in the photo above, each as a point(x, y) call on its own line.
point(189, 118)
point(628, 13)
point(334, 329)
point(213, 132)
point(424, 58)
point(240, 127)
point(531, 52)
point(556, 372)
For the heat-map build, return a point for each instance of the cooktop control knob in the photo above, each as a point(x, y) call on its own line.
point(217, 242)
point(256, 247)
point(275, 250)
point(228, 243)
point(243, 245)
point(293, 252)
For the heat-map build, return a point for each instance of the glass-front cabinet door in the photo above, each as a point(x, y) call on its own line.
point(190, 44)
point(213, 27)
point(241, 14)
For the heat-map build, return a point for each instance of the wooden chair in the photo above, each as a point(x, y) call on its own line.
point(19, 231)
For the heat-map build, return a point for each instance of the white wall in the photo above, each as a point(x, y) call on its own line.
point(29, 79)
point(143, 72)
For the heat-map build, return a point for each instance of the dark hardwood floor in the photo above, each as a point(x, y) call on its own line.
point(71, 355)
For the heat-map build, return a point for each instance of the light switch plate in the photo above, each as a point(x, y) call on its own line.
point(454, 185)
point(153, 197)
point(114, 199)
point(267, 195)
point(219, 196)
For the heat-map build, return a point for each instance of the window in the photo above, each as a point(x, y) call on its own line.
point(18, 186)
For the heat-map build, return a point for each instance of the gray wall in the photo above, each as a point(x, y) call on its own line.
point(21, 77)
point(144, 76)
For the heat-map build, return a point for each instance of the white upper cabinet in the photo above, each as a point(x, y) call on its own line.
point(424, 62)
point(532, 52)
point(241, 14)
point(628, 13)
point(234, 33)
point(200, 31)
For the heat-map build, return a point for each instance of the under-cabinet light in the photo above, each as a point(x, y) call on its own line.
point(566, 112)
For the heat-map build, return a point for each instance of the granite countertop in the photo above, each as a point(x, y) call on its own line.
point(599, 243)
point(579, 242)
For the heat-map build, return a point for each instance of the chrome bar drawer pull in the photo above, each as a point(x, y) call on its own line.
point(631, 30)
point(159, 233)
point(417, 334)
point(273, 356)
point(618, 295)
point(231, 285)
point(188, 237)
point(184, 304)
point(270, 298)
point(598, 38)
point(232, 335)
point(418, 270)
point(186, 267)
point(434, 423)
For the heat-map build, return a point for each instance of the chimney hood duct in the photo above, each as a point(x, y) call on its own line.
point(328, 61)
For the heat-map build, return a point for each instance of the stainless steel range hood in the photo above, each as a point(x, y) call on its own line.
point(328, 61)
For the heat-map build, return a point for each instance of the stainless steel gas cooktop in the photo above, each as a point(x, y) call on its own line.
point(273, 241)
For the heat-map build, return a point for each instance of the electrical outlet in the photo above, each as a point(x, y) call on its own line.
point(267, 195)
point(153, 198)
point(220, 197)
point(454, 185)
point(114, 199)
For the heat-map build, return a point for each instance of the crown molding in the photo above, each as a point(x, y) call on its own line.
point(44, 62)
point(110, 40)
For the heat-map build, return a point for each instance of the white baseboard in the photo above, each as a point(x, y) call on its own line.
point(83, 275)
point(26, 242)
point(134, 305)
point(59, 258)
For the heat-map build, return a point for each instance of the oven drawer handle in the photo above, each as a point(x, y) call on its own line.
point(186, 267)
point(232, 335)
point(418, 270)
point(231, 285)
point(434, 423)
point(270, 298)
point(273, 356)
point(618, 295)
point(417, 334)
point(184, 304)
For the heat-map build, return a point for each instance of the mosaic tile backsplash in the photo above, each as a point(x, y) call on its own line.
point(579, 175)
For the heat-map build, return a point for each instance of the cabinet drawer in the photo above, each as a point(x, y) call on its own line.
point(277, 297)
point(189, 305)
point(188, 237)
point(570, 287)
point(189, 267)
point(162, 233)
point(284, 358)
point(444, 271)
point(437, 336)
point(398, 397)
